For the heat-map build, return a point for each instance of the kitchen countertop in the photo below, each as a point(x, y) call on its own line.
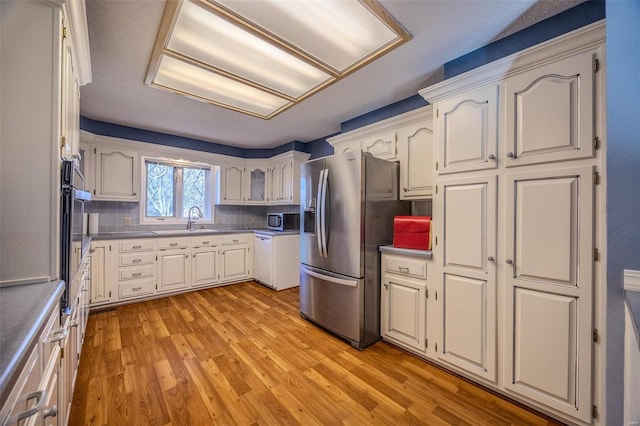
point(185, 233)
point(427, 254)
point(24, 310)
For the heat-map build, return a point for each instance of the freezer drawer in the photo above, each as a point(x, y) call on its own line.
point(332, 302)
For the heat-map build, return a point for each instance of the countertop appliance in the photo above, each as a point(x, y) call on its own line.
point(74, 239)
point(348, 203)
point(283, 221)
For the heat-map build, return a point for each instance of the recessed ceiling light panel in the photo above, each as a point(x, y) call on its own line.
point(262, 57)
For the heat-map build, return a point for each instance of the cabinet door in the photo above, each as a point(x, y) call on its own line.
point(174, 270)
point(100, 284)
point(232, 185)
point(404, 309)
point(235, 263)
point(117, 175)
point(382, 146)
point(203, 266)
point(549, 112)
point(350, 146)
point(257, 181)
point(416, 161)
point(467, 233)
point(466, 131)
point(287, 181)
point(548, 288)
point(70, 98)
point(275, 175)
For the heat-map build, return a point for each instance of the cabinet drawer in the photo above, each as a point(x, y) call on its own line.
point(136, 288)
point(406, 266)
point(52, 335)
point(205, 241)
point(137, 259)
point(134, 273)
point(236, 239)
point(173, 243)
point(137, 245)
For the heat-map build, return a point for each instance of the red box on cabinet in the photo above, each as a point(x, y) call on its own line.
point(412, 232)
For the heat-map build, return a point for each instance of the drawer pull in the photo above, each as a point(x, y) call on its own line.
point(205, 242)
point(137, 260)
point(235, 241)
point(173, 244)
point(137, 247)
point(137, 274)
point(136, 289)
point(403, 269)
point(59, 334)
point(41, 396)
point(74, 323)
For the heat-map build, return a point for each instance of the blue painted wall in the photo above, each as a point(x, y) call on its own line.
point(623, 184)
point(569, 20)
point(396, 108)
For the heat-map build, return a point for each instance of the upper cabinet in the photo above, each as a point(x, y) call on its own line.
point(70, 98)
point(231, 187)
point(117, 175)
point(550, 112)
point(467, 136)
point(256, 179)
point(284, 178)
point(407, 138)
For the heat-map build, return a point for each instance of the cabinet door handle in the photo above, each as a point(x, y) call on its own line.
point(404, 189)
point(136, 289)
point(491, 259)
point(509, 262)
point(137, 274)
point(53, 412)
point(205, 242)
point(137, 247)
point(74, 323)
point(173, 244)
point(386, 285)
point(403, 269)
point(511, 155)
point(59, 334)
point(491, 157)
point(137, 260)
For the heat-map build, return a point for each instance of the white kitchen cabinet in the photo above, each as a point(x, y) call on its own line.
point(548, 280)
point(257, 184)
point(70, 108)
point(467, 135)
point(204, 266)
point(549, 112)
point(117, 175)
point(135, 267)
point(416, 160)
point(174, 267)
point(275, 184)
point(235, 262)
point(101, 277)
point(383, 145)
point(284, 178)
point(277, 260)
point(467, 229)
point(19, 402)
point(231, 189)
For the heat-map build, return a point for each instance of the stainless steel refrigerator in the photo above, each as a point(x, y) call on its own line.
point(347, 206)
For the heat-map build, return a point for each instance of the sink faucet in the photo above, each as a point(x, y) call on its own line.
point(191, 219)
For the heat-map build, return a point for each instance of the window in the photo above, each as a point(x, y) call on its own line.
point(172, 187)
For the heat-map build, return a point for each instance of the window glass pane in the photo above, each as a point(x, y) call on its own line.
point(194, 189)
point(160, 190)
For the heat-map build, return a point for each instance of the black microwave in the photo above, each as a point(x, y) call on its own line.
point(283, 221)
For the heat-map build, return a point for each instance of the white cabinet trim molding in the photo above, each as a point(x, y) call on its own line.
point(570, 44)
point(631, 280)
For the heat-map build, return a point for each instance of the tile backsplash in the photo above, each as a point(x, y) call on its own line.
point(112, 216)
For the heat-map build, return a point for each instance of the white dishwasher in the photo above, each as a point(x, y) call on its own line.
point(276, 259)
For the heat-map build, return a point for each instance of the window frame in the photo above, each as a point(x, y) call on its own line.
point(178, 192)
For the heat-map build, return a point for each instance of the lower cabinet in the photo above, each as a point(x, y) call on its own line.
point(407, 300)
point(174, 270)
point(204, 266)
point(235, 262)
point(100, 273)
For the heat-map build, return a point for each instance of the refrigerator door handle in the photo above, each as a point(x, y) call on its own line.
point(334, 280)
point(318, 208)
point(323, 213)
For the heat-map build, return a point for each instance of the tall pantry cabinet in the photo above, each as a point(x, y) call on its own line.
point(519, 158)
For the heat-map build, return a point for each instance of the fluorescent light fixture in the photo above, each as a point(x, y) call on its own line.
point(261, 57)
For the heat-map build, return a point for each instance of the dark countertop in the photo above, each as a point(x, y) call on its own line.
point(427, 254)
point(185, 233)
point(24, 310)
point(633, 303)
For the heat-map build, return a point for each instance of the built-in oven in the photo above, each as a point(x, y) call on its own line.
point(74, 238)
point(283, 221)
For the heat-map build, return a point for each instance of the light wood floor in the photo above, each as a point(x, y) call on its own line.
point(241, 355)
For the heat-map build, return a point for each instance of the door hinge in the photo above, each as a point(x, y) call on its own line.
point(596, 65)
point(436, 240)
point(436, 346)
point(61, 353)
point(94, 151)
point(94, 192)
point(436, 299)
point(436, 189)
point(109, 244)
point(63, 141)
point(64, 32)
point(426, 343)
point(596, 254)
point(596, 143)
point(596, 178)
point(109, 294)
point(156, 257)
point(596, 336)
point(436, 166)
point(437, 113)
point(427, 293)
point(594, 411)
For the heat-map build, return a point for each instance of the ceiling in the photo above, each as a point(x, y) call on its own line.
point(122, 35)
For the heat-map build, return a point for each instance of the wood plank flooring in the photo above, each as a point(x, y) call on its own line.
point(241, 355)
